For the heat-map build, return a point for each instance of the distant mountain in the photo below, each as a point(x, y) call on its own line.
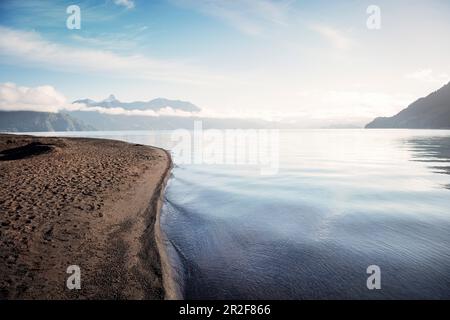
point(155, 104)
point(431, 112)
point(104, 121)
point(108, 122)
point(30, 121)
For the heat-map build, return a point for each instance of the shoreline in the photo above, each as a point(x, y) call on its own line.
point(90, 202)
point(171, 288)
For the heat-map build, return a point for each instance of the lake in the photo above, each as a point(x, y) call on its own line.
point(338, 202)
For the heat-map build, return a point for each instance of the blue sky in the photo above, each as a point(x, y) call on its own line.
point(309, 60)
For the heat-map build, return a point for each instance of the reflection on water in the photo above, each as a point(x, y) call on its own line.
point(434, 150)
point(342, 200)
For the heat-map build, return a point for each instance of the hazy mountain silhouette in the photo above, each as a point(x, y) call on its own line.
point(431, 112)
point(155, 104)
point(104, 121)
point(107, 122)
point(30, 121)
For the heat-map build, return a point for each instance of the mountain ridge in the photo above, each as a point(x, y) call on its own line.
point(34, 121)
point(154, 104)
point(430, 112)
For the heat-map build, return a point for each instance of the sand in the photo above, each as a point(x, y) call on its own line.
point(86, 202)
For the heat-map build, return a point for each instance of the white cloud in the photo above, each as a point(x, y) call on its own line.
point(337, 38)
point(427, 75)
point(347, 105)
point(105, 42)
point(363, 103)
point(248, 16)
point(167, 111)
point(31, 48)
point(42, 98)
point(129, 4)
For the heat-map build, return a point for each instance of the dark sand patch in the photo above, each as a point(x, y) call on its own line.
point(26, 151)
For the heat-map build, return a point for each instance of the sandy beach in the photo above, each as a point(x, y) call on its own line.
point(86, 202)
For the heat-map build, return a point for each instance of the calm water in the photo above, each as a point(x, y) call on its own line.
point(341, 201)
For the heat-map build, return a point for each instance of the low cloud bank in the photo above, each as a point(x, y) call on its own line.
point(42, 98)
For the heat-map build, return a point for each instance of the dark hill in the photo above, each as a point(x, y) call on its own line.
point(431, 112)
